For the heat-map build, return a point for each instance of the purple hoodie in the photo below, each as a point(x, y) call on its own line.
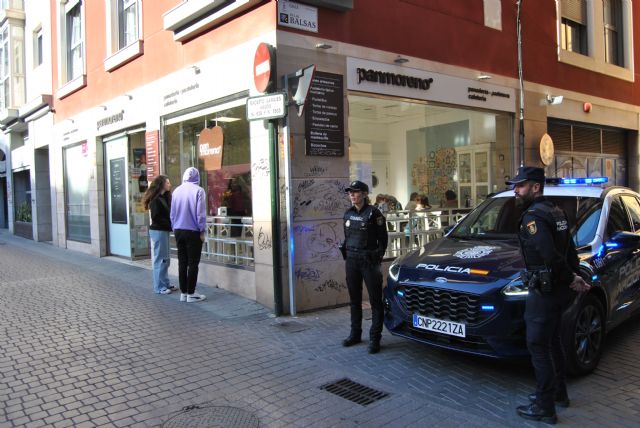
point(188, 203)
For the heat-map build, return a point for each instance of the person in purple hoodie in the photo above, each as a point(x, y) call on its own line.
point(189, 220)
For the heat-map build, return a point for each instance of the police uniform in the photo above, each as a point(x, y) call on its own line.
point(550, 259)
point(365, 243)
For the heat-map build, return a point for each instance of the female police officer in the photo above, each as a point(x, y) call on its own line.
point(365, 243)
point(551, 270)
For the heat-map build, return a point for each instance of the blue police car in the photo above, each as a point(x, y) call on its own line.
point(463, 291)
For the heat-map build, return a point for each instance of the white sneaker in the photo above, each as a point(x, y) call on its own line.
point(183, 297)
point(165, 291)
point(191, 298)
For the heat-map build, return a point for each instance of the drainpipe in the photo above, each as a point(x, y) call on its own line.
point(521, 81)
point(275, 220)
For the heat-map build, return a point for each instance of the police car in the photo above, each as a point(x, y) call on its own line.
point(463, 291)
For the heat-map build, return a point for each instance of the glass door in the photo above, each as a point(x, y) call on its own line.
point(117, 192)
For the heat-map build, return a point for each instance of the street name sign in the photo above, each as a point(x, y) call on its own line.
point(270, 106)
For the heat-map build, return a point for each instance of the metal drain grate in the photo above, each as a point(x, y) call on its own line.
point(212, 417)
point(353, 391)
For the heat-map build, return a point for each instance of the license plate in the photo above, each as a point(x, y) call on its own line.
point(439, 326)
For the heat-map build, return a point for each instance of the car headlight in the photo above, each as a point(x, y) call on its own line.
point(516, 288)
point(394, 270)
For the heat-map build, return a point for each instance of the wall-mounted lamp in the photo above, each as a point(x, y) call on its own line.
point(483, 77)
point(323, 46)
point(195, 69)
point(554, 99)
point(128, 96)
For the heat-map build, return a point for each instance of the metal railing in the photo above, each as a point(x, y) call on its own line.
point(410, 230)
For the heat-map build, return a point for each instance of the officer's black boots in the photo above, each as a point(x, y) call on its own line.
point(374, 346)
point(353, 339)
point(561, 399)
point(534, 412)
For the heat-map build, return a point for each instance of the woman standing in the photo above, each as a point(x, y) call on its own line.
point(157, 199)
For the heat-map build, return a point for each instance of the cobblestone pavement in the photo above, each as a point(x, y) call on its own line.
point(84, 342)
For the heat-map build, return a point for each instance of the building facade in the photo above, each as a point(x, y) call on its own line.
point(407, 96)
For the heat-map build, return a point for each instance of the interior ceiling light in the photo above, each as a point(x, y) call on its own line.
point(400, 60)
point(323, 46)
point(225, 119)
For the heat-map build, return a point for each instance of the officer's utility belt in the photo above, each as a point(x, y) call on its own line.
point(539, 279)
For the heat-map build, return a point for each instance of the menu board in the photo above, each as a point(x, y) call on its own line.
point(324, 117)
point(118, 189)
point(152, 139)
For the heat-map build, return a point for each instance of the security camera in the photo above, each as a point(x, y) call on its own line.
point(554, 100)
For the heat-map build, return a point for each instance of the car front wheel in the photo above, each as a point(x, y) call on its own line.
point(584, 336)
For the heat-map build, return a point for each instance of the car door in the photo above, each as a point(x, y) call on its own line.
point(617, 261)
point(631, 294)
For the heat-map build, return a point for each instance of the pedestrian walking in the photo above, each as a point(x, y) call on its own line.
point(365, 233)
point(189, 220)
point(157, 199)
point(552, 271)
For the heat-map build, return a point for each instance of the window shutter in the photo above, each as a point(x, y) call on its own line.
point(586, 140)
point(613, 143)
point(561, 136)
point(575, 10)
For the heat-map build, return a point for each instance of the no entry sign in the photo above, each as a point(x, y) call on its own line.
point(262, 67)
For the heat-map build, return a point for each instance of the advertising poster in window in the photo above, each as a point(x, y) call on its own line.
point(324, 117)
point(118, 191)
point(152, 160)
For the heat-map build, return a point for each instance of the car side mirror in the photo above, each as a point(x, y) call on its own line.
point(624, 240)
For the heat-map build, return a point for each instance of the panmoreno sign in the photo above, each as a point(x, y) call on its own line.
point(383, 77)
point(401, 81)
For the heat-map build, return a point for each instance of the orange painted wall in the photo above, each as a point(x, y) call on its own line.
point(162, 55)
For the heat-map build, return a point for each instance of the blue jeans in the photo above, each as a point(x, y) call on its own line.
point(161, 259)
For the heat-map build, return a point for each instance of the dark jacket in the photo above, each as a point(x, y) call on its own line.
point(365, 233)
point(546, 242)
point(160, 208)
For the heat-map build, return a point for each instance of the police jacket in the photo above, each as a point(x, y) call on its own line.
point(546, 242)
point(365, 233)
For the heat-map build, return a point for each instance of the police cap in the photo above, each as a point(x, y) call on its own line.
point(527, 173)
point(357, 186)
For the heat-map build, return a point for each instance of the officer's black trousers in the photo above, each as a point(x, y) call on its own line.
point(357, 271)
point(544, 318)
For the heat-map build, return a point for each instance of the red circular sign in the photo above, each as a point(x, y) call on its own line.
point(262, 67)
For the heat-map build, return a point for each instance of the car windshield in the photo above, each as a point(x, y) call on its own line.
point(497, 218)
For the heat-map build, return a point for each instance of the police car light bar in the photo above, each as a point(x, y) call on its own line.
point(582, 180)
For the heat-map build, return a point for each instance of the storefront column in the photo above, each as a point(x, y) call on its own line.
point(535, 126)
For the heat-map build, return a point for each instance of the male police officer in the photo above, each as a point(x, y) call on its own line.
point(365, 233)
point(552, 270)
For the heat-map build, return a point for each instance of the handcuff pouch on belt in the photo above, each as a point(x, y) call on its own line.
point(538, 279)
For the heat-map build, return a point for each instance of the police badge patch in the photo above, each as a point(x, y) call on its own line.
point(347, 223)
point(531, 227)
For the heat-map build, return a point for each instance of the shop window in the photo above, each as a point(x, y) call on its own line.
point(225, 173)
point(124, 32)
point(77, 175)
point(400, 147)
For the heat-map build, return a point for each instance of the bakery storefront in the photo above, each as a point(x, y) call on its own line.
point(215, 138)
point(417, 131)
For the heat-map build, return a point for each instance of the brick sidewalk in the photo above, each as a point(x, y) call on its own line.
point(86, 343)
